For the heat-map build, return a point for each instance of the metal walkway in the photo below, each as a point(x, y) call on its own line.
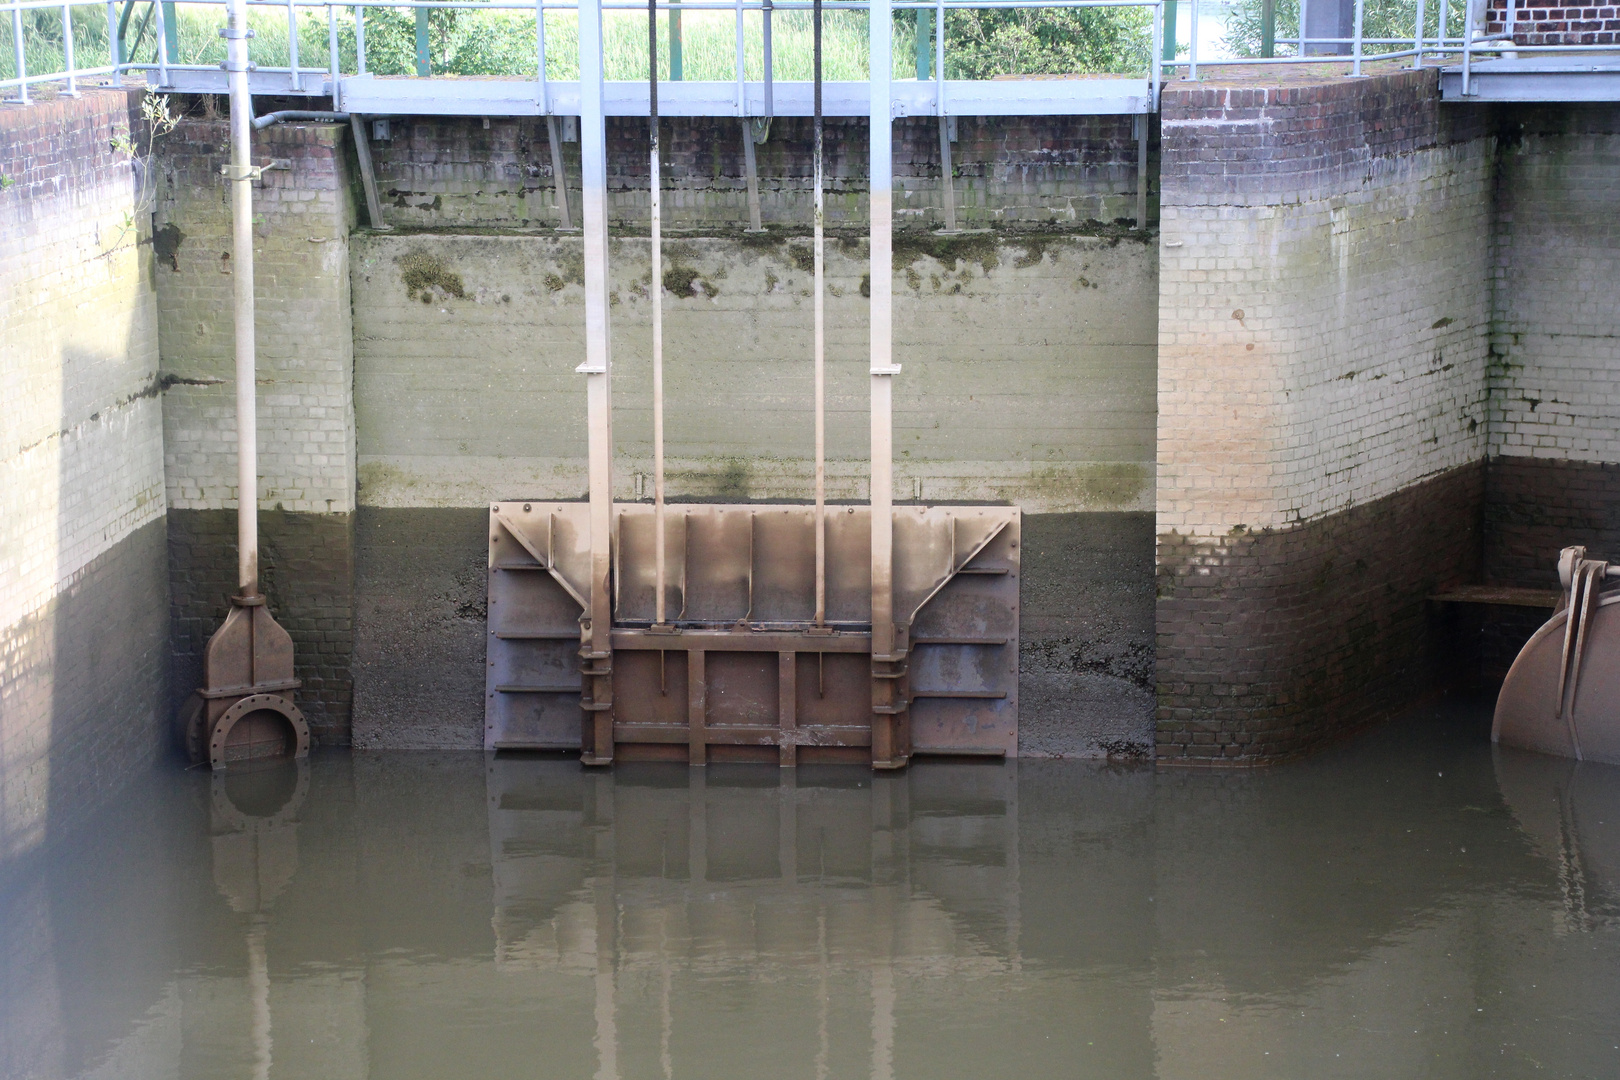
point(1563, 77)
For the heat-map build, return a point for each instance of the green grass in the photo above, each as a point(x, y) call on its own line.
point(503, 43)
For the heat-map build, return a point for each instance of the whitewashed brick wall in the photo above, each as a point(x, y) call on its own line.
point(1325, 350)
point(304, 327)
point(1555, 375)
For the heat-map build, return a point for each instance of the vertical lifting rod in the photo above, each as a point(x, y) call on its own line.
point(820, 344)
point(241, 182)
point(657, 286)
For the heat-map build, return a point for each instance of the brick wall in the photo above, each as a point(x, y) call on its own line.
point(82, 668)
point(442, 171)
point(1324, 315)
point(1553, 24)
point(302, 218)
point(1556, 262)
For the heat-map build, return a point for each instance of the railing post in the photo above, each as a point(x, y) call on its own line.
point(1192, 43)
point(424, 65)
point(1355, 67)
point(1417, 38)
point(925, 33)
point(112, 40)
point(675, 40)
point(292, 47)
point(1169, 33)
point(21, 61)
point(1268, 28)
point(171, 29)
point(67, 51)
point(334, 66)
point(359, 39)
point(163, 44)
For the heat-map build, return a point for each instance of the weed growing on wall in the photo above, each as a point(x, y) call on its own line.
point(156, 122)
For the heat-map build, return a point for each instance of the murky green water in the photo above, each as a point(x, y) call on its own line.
point(1410, 905)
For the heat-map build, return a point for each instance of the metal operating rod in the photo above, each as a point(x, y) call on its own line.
point(657, 288)
point(820, 342)
point(240, 174)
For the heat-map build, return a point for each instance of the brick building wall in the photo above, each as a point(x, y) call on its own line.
point(303, 215)
point(1541, 23)
point(447, 172)
point(83, 669)
point(1323, 329)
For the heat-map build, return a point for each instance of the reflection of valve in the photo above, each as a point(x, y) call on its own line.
point(255, 839)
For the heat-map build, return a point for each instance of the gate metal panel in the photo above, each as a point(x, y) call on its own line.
point(742, 673)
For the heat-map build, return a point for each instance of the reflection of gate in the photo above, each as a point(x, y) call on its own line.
point(741, 671)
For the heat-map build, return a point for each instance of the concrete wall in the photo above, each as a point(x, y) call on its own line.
point(1324, 316)
point(83, 621)
point(303, 215)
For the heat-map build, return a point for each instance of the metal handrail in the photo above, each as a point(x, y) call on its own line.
point(1361, 48)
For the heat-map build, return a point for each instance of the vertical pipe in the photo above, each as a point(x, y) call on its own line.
point(359, 39)
point(1304, 42)
point(820, 336)
point(241, 182)
point(163, 44)
point(21, 65)
point(112, 40)
point(656, 286)
point(881, 156)
point(424, 59)
point(1417, 37)
point(674, 40)
point(597, 369)
point(947, 171)
point(334, 67)
point(67, 51)
point(1268, 28)
point(292, 46)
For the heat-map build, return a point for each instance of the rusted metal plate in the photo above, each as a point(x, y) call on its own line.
point(742, 669)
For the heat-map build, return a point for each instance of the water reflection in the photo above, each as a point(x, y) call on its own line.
point(1410, 905)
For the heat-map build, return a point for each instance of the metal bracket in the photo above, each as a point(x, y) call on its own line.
point(254, 172)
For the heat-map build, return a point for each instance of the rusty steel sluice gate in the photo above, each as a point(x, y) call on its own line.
point(772, 633)
point(742, 671)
